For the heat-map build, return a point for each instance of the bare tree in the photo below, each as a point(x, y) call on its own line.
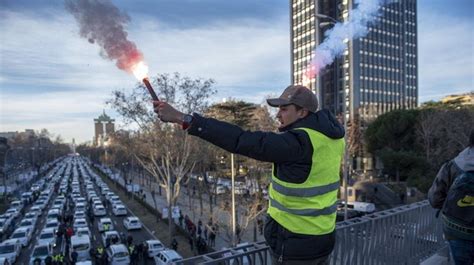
point(163, 150)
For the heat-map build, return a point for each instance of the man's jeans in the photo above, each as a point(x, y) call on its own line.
point(462, 251)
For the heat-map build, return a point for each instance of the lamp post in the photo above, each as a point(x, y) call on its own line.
point(345, 105)
point(233, 198)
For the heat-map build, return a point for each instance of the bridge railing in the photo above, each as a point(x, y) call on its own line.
point(403, 235)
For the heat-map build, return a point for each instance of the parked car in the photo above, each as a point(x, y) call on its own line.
point(13, 212)
point(108, 236)
point(103, 223)
point(118, 255)
point(81, 222)
point(81, 245)
point(119, 210)
point(40, 251)
point(17, 205)
point(23, 235)
point(154, 246)
point(83, 231)
point(167, 256)
point(52, 214)
point(48, 236)
point(132, 222)
point(10, 249)
point(28, 223)
point(52, 223)
point(4, 223)
point(99, 210)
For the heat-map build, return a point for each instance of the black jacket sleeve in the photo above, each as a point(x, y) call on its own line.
point(264, 146)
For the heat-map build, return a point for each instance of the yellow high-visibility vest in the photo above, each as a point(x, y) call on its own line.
point(310, 207)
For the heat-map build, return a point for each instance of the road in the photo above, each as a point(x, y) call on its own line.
point(139, 236)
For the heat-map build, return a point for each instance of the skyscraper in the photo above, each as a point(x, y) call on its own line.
point(376, 74)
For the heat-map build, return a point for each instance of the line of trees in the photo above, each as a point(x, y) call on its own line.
point(413, 144)
point(170, 156)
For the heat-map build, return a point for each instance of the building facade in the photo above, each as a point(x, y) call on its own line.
point(376, 74)
point(104, 126)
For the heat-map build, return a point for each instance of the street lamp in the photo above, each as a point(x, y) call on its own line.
point(233, 198)
point(345, 164)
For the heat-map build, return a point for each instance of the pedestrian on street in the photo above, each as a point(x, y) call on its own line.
point(306, 154)
point(212, 238)
point(191, 243)
point(174, 244)
point(452, 193)
point(129, 240)
point(181, 219)
point(145, 251)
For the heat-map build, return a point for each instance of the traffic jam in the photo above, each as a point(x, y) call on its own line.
point(70, 216)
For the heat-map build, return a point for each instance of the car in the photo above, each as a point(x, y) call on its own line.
point(154, 246)
point(41, 251)
point(80, 206)
point(23, 235)
point(31, 215)
point(13, 212)
point(109, 195)
point(28, 223)
point(27, 197)
point(10, 249)
point(132, 222)
point(58, 203)
point(79, 214)
point(119, 209)
point(114, 199)
point(99, 210)
point(81, 245)
point(17, 205)
point(219, 189)
point(47, 236)
point(81, 222)
point(108, 236)
point(57, 208)
point(52, 223)
point(4, 223)
point(118, 255)
point(37, 210)
point(105, 224)
point(41, 204)
point(167, 256)
point(52, 214)
point(83, 231)
point(105, 191)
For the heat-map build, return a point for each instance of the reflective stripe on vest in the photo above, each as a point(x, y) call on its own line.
point(305, 192)
point(310, 207)
point(305, 212)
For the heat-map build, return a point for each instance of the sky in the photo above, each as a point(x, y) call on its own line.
point(51, 78)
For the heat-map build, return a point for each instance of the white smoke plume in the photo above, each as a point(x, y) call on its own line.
point(101, 22)
point(356, 26)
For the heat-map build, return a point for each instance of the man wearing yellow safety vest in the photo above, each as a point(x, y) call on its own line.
point(306, 154)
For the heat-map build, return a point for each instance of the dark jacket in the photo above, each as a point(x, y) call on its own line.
point(448, 172)
point(291, 151)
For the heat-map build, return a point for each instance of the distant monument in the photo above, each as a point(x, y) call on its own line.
point(104, 125)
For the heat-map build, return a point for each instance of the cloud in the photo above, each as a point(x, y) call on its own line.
point(446, 56)
point(51, 78)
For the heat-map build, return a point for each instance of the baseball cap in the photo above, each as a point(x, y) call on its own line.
point(298, 95)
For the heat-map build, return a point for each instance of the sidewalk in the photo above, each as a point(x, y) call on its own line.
point(193, 212)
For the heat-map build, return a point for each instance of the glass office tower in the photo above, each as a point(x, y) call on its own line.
point(376, 74)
